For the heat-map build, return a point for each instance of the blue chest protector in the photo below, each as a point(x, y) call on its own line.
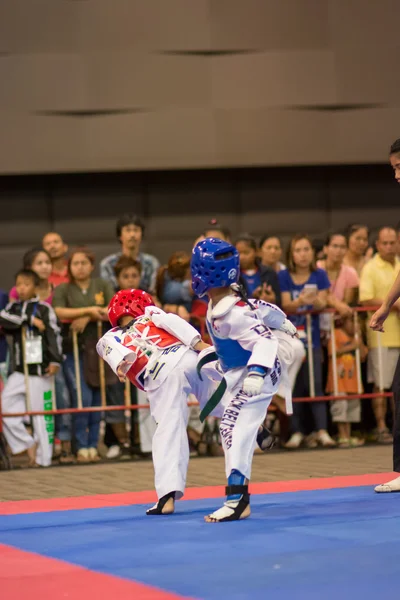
point(230, 353)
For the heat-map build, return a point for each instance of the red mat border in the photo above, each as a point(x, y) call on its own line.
point(29, 575)
point(197, 493)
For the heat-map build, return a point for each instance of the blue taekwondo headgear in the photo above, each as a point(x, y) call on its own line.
point(215, 264)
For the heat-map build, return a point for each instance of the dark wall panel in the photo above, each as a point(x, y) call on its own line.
point(176, 206)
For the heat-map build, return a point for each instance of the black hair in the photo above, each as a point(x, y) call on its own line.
point(317, 244)
point(241, 291)
point(334, 234)
point(395, 147)
point(268, 236)
point(213, 225)
point(29, 257)
point(226, 233)
point(249, 240)
point(30, 274)
point(128, 219)
point(350, 229)
point(385, 227)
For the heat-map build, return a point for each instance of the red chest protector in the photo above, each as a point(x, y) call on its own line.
point(143, 337)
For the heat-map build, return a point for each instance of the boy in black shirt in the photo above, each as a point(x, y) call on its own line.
point(37, 358)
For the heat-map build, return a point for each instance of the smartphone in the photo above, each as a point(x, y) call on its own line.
point(311, 287)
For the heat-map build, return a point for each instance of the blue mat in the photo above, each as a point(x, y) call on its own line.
point(341, 543)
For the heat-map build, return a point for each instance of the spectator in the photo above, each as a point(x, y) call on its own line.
point(319, 248)
point(357, 242)
point(305, 287)
point(271, 253)
point(39, 261)
point(398, 240)
point(3, 343)
point(174, 285)
point(127, 273)
point(204, 438)
point(56, 247)
point(83, 301)
point(35, 365)
point(215, 230)
point(343, 279)
point(116, 438)
point(259, 281)
point(346, 412)
point(130, 231)
point(376, 280)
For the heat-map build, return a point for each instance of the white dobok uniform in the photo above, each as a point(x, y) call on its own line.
point(164, 366)
point(243, 337)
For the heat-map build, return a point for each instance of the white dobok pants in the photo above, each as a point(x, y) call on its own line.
point(41, 398)
point(169, 409)
point(241, 420)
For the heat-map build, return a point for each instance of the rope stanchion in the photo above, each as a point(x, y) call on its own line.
point(66, 411)
point(310, 356)
point(380, 365)
point(128, 402)
point(77, 369)
point(102, 372)
point(334, 359)
point(26, 371)
point(127, 406)
point(5, 460)
point(358, 354)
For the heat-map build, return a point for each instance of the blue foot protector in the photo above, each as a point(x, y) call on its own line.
point(235, 479)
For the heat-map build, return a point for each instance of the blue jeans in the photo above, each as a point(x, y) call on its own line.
point(318, 409)
point(115, 397)
point(62, 422)
point(86, 425)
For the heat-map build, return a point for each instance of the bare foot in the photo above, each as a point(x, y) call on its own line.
point(31, 452)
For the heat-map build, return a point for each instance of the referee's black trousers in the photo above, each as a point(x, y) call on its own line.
point(396, 419)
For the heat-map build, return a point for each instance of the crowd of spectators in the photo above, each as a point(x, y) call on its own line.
point(347, 270)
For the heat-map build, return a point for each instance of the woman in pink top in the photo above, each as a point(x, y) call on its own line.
point(357, 253)
point(343, 278)
point(39, 261)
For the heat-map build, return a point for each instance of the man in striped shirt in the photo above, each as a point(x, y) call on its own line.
point(130, 230)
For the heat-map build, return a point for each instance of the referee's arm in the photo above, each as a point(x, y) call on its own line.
point(393, 294)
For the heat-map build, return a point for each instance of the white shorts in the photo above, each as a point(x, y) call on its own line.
point(346, 411)
point(388, 362)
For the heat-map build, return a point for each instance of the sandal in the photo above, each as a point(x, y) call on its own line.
point(356, 442)
point(232, 510)
point(343, 443)
point(311, 441)
point(384, 437)
point(66, 458)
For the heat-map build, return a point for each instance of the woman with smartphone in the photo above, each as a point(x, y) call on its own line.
point(260, 281)
point(305, 287)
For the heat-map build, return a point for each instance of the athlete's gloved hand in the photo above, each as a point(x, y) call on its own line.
point(289, 328)
point(252, 385)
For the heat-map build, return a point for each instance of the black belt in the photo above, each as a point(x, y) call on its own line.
point(219, 392)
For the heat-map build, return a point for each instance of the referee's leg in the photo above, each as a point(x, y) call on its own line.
point(396, 418)
point(394, 484)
